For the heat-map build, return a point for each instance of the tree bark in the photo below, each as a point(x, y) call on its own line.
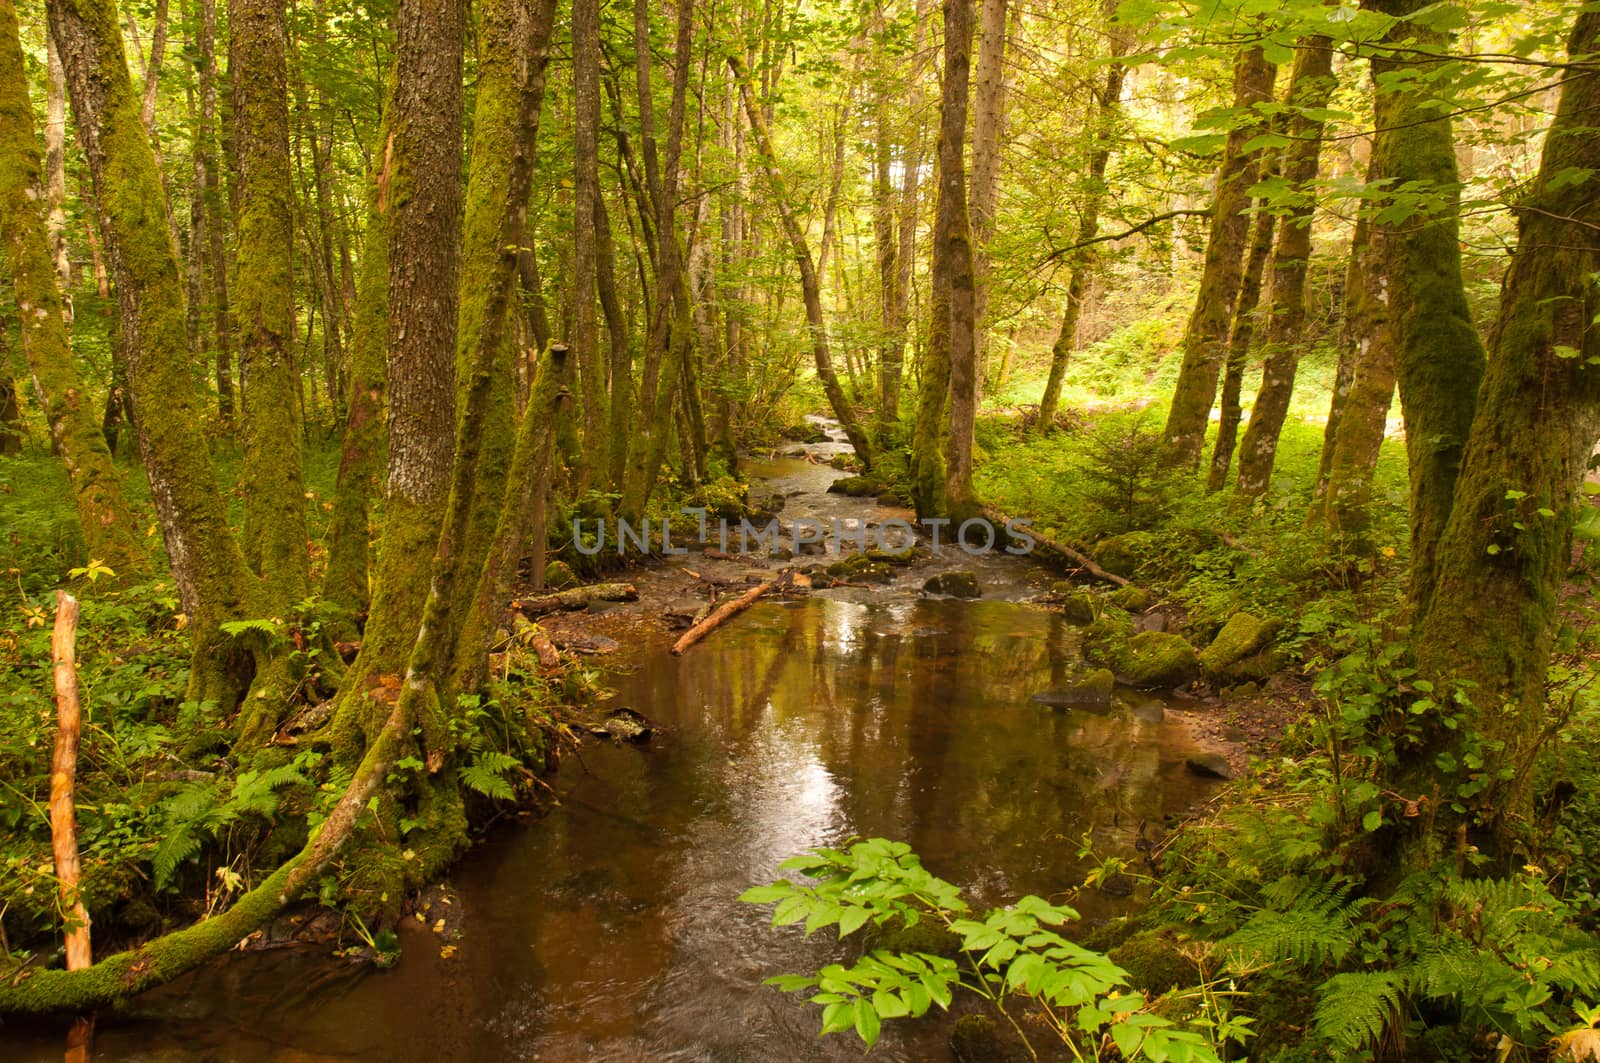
point(1205, 338)
point(584, 333)
point(270, 426)
point(108, 526)
point(1439, 356)
point(988, 130)
point(63, 774)
point(1310, 88)
point(953, 240)
point(216, 218)
point(1240, 339)
point(1355, 436)
point(423, 192)
point(55, 169)
point(1505, 550)
point(213, 583)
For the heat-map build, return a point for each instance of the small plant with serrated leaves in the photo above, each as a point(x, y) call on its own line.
point(1012, 957)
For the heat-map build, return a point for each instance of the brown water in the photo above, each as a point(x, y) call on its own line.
point(611, 931)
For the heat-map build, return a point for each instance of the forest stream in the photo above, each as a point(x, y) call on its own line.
point(611, 929)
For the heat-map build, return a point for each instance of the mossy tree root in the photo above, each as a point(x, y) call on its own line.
point(157, 962)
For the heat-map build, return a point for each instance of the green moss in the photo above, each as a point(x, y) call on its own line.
point(1240, 637)
point(1134, 599)
point(1155, 962)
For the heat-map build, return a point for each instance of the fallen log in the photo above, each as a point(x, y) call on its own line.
point(576, 598)
point(1073, 561)
point(530, 635)
point(726, 610)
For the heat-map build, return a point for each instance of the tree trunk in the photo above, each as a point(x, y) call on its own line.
point(988, 130)
point(584, 334)
point(216, 217)
point(1506, 548)
point(423, 194)
point(1351, 456)
point(887, 247)
point(1310, 88)
point(1239, 343)
point(270, 428)
point(108, 527)
point(55, 170)
point(809, 288)
point(1439, 355)
point(953, 240)
point(1205, 338)
point(1108, 109)
point(213, 583)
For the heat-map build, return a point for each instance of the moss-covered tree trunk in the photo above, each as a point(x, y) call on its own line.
point(216, 218)
point(1309, 89)
point(1505, 550)
point(270, 431)
point(1206, 336)
point(988, 129)
point(821, 351)
point(1355, 435)
point(953, 240)
point(109, 530)
point(1082, 264)
point(213, 582)
point(362, 447)
point(423, 192)
point(1438, 353)
point(884, 239)
point(1241, 339)
point(505, 125)
point(583, 334)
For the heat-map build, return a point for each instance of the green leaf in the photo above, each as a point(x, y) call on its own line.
point(1372, 821)
point(868, 1025)
point(852, 919)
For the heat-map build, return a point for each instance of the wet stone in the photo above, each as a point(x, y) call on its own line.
point(1209, 766)
point(959, 584)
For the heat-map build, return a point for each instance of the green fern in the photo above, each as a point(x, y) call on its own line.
point(487, 775)
point(1308, 923)
point(198, 812)
point(1354, 1010)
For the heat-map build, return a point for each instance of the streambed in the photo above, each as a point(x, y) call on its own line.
point(610, 930)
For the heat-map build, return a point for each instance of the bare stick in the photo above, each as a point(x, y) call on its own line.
point(723, 612)
point(63, 770)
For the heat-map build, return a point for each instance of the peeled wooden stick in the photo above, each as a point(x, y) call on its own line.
point(63, 769)
point(721, 613)
point(63, 817)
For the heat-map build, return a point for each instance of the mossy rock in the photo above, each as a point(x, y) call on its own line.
point(558, 576)
point(861, 567)
point(1240, 637)
point(1106, 637)
point(1088, 690)
point(805, 432)
point(853, 486)
point(961, 583)
point(977, 1038)
point(1259, 667)
point(1125, 554)
point(926, 937)
point(1080, 607)
point(1155, 962)
point(1133, 598)
point(1155, 659)
point(892, 557)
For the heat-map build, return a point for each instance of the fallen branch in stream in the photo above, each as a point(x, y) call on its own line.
point(730, 609)
point(535, 639)
point(576, 598)
point(1073, 561)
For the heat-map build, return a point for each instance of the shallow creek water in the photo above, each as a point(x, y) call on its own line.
point(610, 930)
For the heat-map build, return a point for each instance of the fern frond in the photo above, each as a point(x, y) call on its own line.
point(1355, 1008)
point(489, 784)
point(176, 846)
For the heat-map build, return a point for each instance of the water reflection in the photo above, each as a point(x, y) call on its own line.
point(611, 930)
